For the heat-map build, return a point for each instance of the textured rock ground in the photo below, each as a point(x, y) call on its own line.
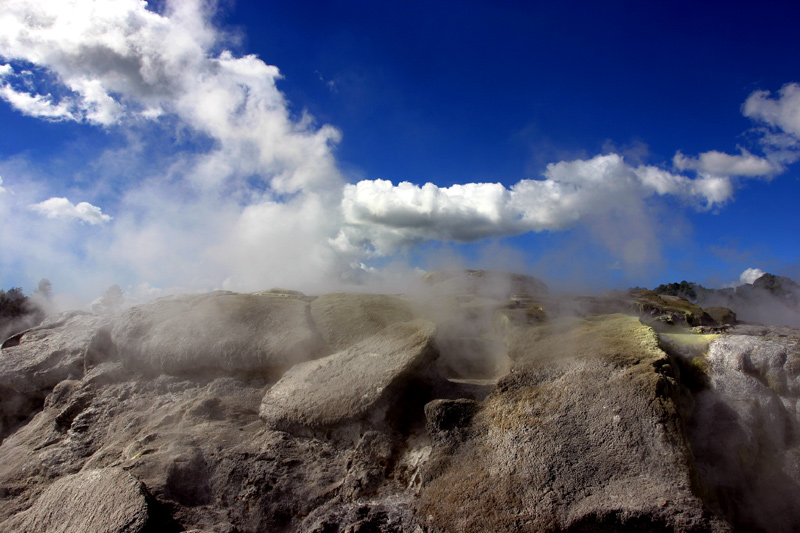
point(279, 412)
point(34, 362)
point(584, 433)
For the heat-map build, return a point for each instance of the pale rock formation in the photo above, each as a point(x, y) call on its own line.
point(220, 332)
point(345, 318)
point(481, 404)
point(358, 385)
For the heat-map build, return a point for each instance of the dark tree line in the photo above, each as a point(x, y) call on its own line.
point(19, 312)
point(685, 289)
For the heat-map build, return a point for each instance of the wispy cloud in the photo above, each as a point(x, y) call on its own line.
point(36, 105)
point(716, 163)
point(780, 117)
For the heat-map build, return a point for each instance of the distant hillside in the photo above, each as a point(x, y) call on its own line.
point(770, 299)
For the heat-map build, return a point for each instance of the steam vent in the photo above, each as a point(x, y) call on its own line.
point(481, 403)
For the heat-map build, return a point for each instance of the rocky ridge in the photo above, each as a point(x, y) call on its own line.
point(483, 403)
point(769, 299)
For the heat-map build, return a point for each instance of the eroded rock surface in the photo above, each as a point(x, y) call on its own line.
point(102, 500)
point(36, 360)
point(276, 411)
point(583, 434)
point(41, 357)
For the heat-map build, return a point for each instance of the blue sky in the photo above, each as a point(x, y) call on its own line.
point(593, 144)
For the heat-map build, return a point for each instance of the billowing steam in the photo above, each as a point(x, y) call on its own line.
point(247, 195)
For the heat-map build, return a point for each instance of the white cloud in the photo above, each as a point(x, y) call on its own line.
point(382, 217)
point(782, 112)
point(716, 190)
point(3, 190)
point(780, 136)
point(63, 208)
point(749, 276)
point(98, 47)
point(719, 164)
point(97, 105)
point(36, 105)
point(122, 62)
point(460, 212)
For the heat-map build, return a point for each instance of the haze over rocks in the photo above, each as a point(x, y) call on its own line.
point(766, 298)
point(482, 403)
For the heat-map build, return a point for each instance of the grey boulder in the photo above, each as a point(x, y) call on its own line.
point(41, 357)
point(219, 332)
point(106, 500)
point(345, 318)
point(355, 385)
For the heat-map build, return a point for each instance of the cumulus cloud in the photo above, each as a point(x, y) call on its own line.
point(63, 208)
point(381, 216)
point(102, 48)
point(123, 63)
point(748, 277)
